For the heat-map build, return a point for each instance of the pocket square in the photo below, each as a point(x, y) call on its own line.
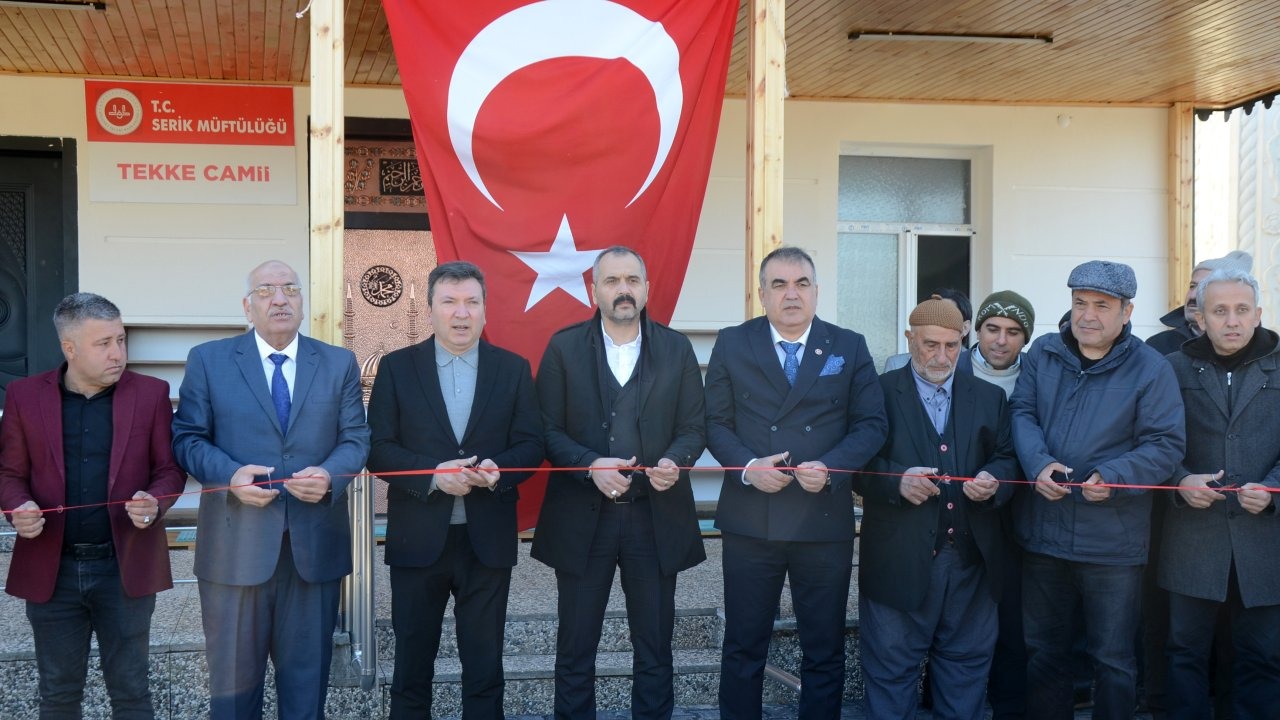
point(834, 365)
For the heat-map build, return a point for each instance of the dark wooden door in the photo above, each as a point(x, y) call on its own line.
point(37, 254)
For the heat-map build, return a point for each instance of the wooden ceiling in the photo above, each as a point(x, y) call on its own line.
point(1212, 53)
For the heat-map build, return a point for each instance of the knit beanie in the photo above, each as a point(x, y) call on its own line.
point(1007, 304)
point(938, 312)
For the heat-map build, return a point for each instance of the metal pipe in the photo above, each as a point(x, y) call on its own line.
point(359, 618)
point(782, 676)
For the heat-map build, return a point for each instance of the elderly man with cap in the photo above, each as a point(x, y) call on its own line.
point(1095, 410)
point(931, 546)
point(1181, 321)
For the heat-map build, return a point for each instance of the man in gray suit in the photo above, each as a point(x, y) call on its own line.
point(271, 405)
point(1220, 547)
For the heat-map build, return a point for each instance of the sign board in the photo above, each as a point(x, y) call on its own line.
point(191, 143)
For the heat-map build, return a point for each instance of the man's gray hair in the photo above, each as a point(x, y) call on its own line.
point(791, 254)
point(618, 250)
point(1227, 274)
point(78, 307)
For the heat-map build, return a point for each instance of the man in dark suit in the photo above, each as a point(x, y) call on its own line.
point(619, 391)
point(929, 574)
point(789, 389)
point(466, 409)
point(1221, 532)
point(95, 435)
point(271, 405)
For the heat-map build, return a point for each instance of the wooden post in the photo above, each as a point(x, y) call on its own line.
point(767, 80)
point(326, 147)
point(1181, 200)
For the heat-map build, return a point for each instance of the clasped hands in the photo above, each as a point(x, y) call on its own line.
point(1200, 491)
point(470, 474)
point(917, 485)
point(613, 482)
point(765, 476)
point(309, 485)
point(1092, 489)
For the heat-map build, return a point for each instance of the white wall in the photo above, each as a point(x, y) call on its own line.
point(1046, 198)
point(1052, 197)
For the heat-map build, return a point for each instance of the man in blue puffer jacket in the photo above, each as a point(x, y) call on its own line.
point(1094, 408)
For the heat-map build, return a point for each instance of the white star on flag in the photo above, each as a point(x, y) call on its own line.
point(560, 267)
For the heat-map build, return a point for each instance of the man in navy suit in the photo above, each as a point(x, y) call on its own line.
point(467, 409)
point(271, 405)
point(789, 389)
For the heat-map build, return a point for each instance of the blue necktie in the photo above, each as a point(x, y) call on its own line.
point(790, 366)
point(280, 391)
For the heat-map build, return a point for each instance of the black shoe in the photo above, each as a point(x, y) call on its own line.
point(1082, 699)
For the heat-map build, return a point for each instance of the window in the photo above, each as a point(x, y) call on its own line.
point(904, 229)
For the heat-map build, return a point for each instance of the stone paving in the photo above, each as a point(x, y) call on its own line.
point(177, 635)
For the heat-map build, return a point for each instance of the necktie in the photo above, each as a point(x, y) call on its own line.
point(280, 391)
point(790, 366)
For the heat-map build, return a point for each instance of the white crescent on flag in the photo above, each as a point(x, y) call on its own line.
point(563, 28)
point(565, 153)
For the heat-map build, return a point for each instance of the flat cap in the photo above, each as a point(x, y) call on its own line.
point(1110, 278)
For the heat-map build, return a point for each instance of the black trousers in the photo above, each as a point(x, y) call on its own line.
point(1255, 673)
point(754, 572)
point(624, 538)
point(418, 599)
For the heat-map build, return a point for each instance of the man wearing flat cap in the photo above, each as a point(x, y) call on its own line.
point(1095, 410)
point(931, 546)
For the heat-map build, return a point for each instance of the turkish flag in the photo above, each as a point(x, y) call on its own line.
point(551, 130)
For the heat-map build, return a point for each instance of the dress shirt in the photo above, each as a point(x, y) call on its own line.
point(622, 358)
point(782, 354)
point(86, 452)
point(290, 366)
point(936, 399)
point(782, 361)
point(457, 375)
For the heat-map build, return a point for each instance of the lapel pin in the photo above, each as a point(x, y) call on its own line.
point(818, 351)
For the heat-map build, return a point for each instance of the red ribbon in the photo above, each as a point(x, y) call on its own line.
point(444, 471)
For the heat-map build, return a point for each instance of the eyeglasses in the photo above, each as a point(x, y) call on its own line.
point(267, 291)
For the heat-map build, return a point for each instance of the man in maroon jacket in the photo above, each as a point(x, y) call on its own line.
point(94, 439)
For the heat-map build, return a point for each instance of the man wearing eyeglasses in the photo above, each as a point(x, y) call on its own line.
point(271, 405)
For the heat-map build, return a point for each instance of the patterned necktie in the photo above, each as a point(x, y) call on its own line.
point(280, 391)
point(790, 366)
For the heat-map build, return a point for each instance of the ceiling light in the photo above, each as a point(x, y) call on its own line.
point(55, 4)
point(950, 37)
